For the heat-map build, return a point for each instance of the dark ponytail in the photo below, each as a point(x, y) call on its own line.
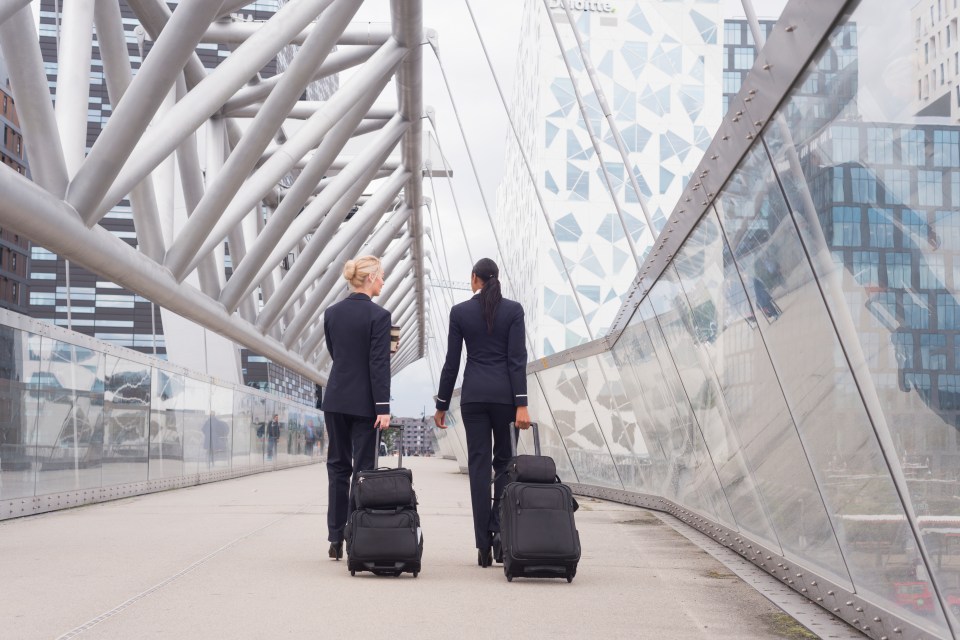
point(490, 296)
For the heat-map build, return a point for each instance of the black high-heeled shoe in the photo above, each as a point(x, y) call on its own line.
point(336, 550)
point(485, 557)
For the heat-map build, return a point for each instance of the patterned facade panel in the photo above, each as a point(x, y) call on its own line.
point(658, 66)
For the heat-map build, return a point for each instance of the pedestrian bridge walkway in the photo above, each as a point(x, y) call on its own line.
point(246, 558)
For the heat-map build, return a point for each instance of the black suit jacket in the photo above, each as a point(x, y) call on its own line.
point(496, 368)
point(358, 339)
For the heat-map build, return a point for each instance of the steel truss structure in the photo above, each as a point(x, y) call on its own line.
point(270, 179)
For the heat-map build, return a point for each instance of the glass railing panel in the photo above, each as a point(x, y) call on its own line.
point(18, 411)
point(126, 421)
point(617, 418)
point(196, 412)
point(244, 429)
point(825, 403)
point(574, 417)
point(166, 425)
point(218, 430)
point(877, 195)
point(730, 341)
point(551, 442)
point(637, 365)
point(70, 398)
point(691, 470)
point(690, 323)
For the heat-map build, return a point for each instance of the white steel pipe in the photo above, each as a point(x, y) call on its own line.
point(280, 237)
point(320, 296)
point(21, 50)
point(116, 68)
point(140, 102)
point(73, 81)
point(41, 216)
point(245, 155)
point(237, 32)
point(312, 261)
point(208, 95)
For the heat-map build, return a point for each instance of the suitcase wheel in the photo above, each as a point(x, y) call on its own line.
point(416, 573)
point(569, 579)
point(352, 573)
point(509, 578)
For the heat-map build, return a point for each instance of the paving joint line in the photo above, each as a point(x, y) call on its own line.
point(73, 633)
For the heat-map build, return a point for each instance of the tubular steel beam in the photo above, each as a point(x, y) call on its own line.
point(42, 217)
point(21, 50)
point(407, 24)
point(246, 154)
point(237, 32)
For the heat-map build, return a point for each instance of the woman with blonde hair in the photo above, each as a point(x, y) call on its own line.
point(356, 401)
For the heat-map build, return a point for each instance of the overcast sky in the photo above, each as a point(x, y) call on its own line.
point(487, 129)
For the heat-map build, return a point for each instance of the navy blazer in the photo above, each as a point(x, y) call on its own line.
point(496, 368)
point(358, 339)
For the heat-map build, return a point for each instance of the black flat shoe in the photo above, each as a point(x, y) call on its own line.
point(497, 547)
point(336, 550)
point(485, 557)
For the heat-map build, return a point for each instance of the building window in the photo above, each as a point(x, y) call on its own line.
point(13, 261)
point(926, 53)
point(946, 148)
point(942, 75)
point(864, 185)
point(846, 227)
point(743, 58)
point(733, 33)
point(933, 275)
point(39, 253)
point(731, 81)
point(866, 268)
point(898, 270)
point(5, 104)
point(912, 146)
point(933, 351)
point(881, 227)
point(880, 145)
point(43, 298)
point(947, 312)
point(930, 188)
point(15, 293)
point(846, 144)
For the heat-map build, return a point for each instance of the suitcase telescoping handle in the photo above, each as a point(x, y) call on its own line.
point(376, 460)
point(514, 435)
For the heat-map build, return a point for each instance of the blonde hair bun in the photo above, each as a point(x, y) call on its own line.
point(357, 271)
point(350, 270)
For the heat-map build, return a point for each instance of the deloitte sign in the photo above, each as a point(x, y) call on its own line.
point(584, 5)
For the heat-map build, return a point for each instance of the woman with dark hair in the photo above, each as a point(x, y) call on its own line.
point(494, 392)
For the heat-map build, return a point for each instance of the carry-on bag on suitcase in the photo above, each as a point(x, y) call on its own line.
point(383, 532)
point(539, 537)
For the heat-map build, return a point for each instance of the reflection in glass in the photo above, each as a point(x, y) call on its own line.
point(244, 430)
point(551, 444)
point(18, 412)
point(617, 418)
point(126, 421)
point(218, 429)
point(819, 388)
point(891, 278)
point(575, 420)
point(166, 425)
point(725, 329)
point(196, 412)
point(691, 321)
point(69, 388)
point(691, 473)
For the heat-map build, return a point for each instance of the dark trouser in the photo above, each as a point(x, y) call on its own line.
point(352, 440)
point(271, 447)
point(479, 420)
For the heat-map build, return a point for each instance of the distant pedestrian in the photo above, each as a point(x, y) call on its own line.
point(273, 435)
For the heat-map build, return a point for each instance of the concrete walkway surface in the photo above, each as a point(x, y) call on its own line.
point(246, 558)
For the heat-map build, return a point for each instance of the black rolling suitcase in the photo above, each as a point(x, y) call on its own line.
point(538, 534)
point(383, 532)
